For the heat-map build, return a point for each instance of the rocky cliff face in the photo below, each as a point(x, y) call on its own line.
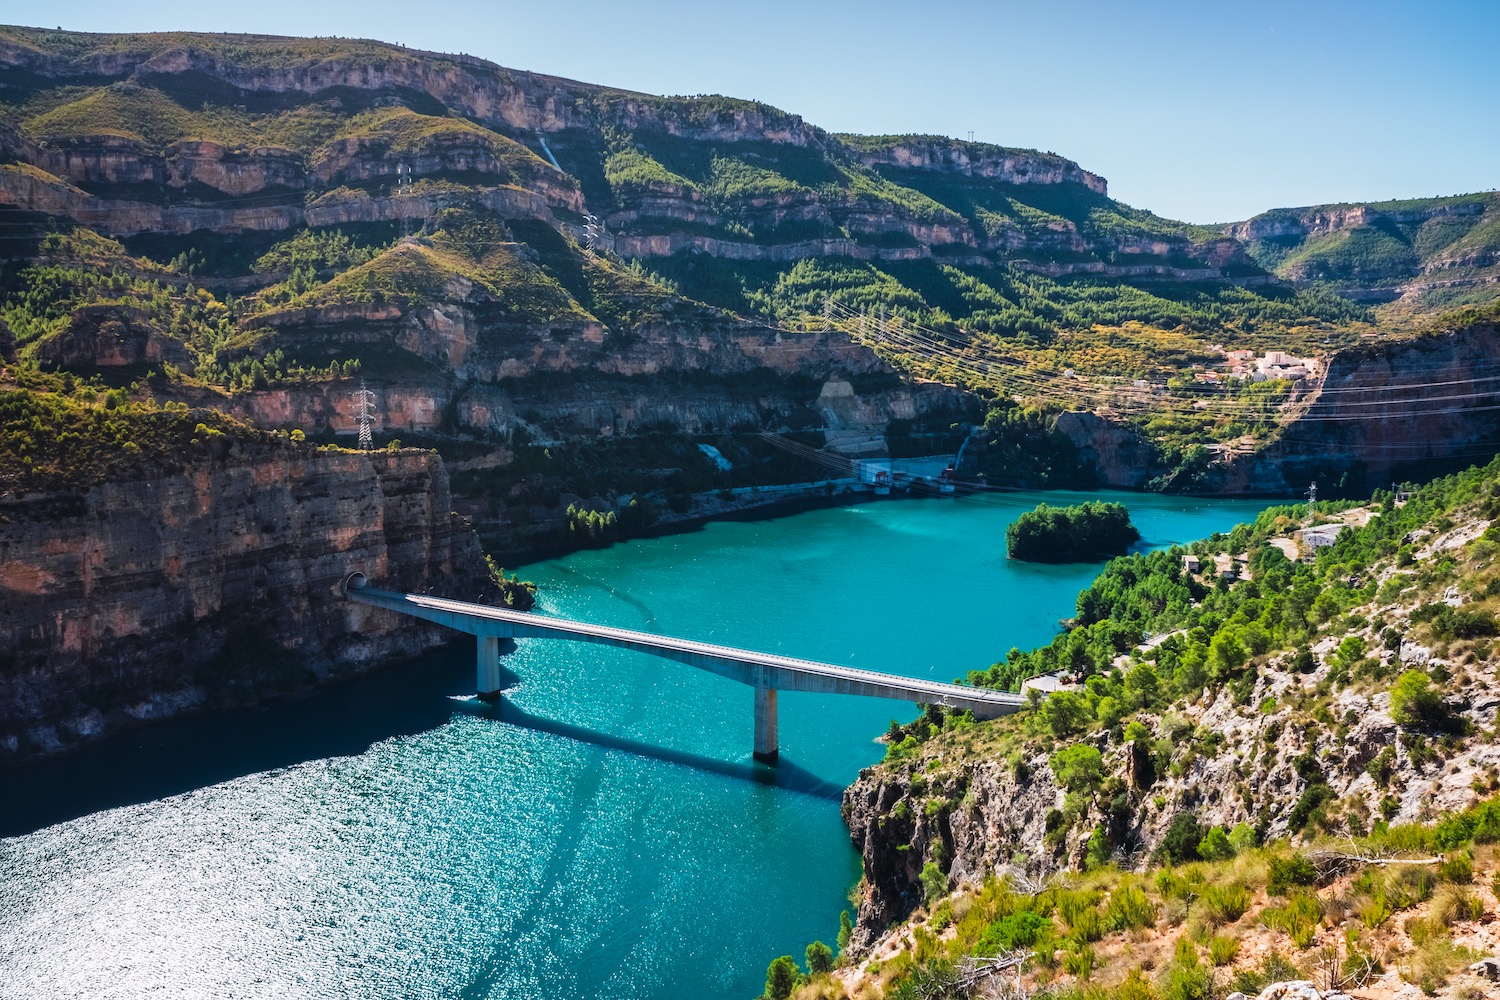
point(1384, 411)
point(1325, 219)
point(848, 190)
point(216, 587)
point(1121, 457)
point(977, 159)
point(987, 813)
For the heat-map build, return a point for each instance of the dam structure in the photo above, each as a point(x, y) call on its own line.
point(767, 673)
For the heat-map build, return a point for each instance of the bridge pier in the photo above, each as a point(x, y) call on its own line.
point(487, 673)
point(765, 672)
point(766, 750)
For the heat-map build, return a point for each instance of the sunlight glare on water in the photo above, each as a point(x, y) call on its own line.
point(607, 835)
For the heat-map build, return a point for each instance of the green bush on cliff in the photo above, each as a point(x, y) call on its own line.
point(1414, 700)
point(318, 250)
point(1071, 534)
point(52, 441)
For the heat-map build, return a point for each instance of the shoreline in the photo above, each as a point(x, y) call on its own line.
point(813, 496)
point(810, 497)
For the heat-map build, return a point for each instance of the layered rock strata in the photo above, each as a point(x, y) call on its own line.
point(215, 587)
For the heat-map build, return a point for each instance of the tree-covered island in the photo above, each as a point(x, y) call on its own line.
point(1083, 533)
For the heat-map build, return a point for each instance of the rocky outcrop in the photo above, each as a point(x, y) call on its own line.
point(1415, 254)
point(215, 587)
point(1121, 457)
point(976, 159)
point(984, 814)
point(978, 820)
point(1321, 220)
point(37, 191)
point(1382, 412)
point(668, 244)
point(110, 337)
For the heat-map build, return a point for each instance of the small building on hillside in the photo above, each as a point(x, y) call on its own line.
point(1191, 564)
point(1319, 536)
point(1046, 684)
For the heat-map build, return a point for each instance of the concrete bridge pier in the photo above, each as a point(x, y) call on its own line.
point(766, 673)
point(766, 750)
point(487, 680)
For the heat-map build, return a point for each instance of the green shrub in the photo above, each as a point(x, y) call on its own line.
point(1079, 768)
point(1022, 929)
point(1087, 925)
point(1224, 904)
point(1186, 978)
point(1310, 805)
point(819, 958)
point(1129, 909)
point(934, 883)
point(1287, 873)
point(1182, 839)
point(781, 978)
point(1375, 911)
point(1079, 962)
point(1186, 884)
point(1458, 868)
point(1453, 905)
point(1223, 950)
point(1215, 846)
point(1410, 885)
point(1242, 838)
point(1414, 701)
point(1479, 824)
point(1297, 918)
point(1134, 987)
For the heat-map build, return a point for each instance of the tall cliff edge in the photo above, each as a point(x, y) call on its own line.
point(214, 587)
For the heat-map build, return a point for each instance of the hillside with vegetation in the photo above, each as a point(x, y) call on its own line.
point(1414, 256)
point(1271, 756)
point(257, 223)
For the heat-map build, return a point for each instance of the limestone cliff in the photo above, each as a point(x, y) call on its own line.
point(217, 586)
point(1394, 410)
point(974, 159)
point(1226, 761)
point(736, 179)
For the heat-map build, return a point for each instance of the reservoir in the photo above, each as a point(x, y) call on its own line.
point(604, 833)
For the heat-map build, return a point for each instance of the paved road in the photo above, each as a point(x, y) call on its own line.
point(744, 665)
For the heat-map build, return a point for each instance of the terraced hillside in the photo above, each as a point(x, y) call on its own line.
point(566, 288)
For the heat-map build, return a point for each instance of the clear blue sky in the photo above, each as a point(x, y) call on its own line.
point(1207, 111)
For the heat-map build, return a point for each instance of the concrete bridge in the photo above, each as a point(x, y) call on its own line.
point(767, 673)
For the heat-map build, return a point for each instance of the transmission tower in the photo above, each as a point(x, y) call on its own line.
point(364, 411)
point(595, 236)
point(828, 312)
point(1312, 501)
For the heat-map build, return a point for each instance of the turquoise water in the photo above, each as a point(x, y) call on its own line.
point(605, 834)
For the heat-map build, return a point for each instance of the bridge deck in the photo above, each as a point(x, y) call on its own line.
point(766, 670)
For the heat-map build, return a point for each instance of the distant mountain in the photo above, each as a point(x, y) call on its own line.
point(1422, 254)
